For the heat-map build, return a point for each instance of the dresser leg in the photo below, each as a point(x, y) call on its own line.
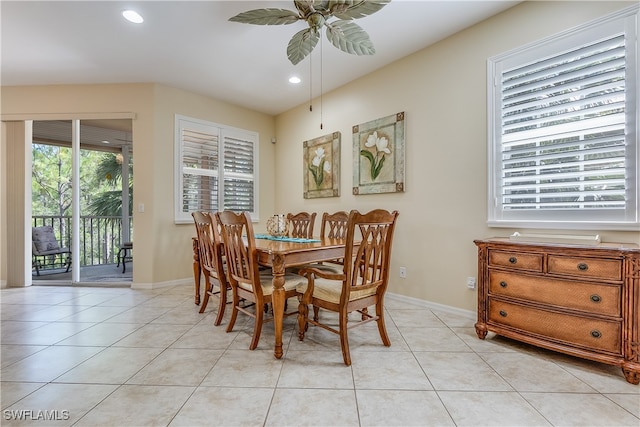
point(632, 376)
point(481, 330)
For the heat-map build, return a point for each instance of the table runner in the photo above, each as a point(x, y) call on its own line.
point(285, 238)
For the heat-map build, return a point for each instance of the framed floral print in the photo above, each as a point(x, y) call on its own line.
point(321, 168)
point(378, 156)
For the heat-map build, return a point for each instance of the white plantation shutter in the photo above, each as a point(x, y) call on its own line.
point(238, 173)
point(209, 158)
point(563, 131)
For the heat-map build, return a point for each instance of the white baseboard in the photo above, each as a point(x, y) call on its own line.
point(158, 285)
point(432, 305)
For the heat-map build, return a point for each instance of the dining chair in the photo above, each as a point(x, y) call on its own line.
point(248, 282)
point(301, 224)
point(333, 226)
point(212, 262)
point(362, 283)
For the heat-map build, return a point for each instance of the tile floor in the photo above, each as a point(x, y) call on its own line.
point(123, 357)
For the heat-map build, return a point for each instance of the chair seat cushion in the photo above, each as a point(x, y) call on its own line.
point(330, 290)
point(291, 282)
point(44, 239)
point(55, 251)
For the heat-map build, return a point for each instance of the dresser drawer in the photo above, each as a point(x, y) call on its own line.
point(519, 260)
point(610, 269)
point(588, 297)
point(594, 334)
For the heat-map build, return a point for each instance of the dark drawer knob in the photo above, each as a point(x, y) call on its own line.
point(596, 298)
point(503, 284)
point(583, 267)
point(596, 333)
point(513, 260)
point(503, 313)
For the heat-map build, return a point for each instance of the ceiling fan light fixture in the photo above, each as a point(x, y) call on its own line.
point(294, 80)
point(132, 16)
point(334, 16)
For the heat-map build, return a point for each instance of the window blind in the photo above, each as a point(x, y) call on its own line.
point(563, 130)
point(216, 168)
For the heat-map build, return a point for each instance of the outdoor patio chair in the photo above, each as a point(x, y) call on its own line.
point(46, 249)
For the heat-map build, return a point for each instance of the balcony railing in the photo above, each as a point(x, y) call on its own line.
point(100, 236)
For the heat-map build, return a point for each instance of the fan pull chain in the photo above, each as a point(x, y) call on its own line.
point(321, 49)
point(310, 78)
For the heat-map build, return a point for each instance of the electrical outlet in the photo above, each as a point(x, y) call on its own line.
point(471, 282)
point(403, 272)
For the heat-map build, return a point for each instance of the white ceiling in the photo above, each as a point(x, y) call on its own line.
point(191, 45)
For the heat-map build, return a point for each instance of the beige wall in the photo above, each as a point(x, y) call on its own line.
point(442, 90)
point(163, 253)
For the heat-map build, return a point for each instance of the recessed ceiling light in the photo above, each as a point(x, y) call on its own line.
point(294, 79)
point(132, 16)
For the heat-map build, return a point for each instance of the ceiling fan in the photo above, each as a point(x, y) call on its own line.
point(342, 33)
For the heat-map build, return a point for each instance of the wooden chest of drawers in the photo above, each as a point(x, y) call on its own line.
point(579, 300)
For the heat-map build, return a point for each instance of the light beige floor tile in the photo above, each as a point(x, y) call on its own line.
point(575, 409)
point(527, 372)
point(630, 402)
point(225, 406)
point(181, 315)
point(386, 408)
point(11, 392)
point(138, 314)
point(398, 371)
point(602, 377)
point(102, 334)
point(129, 299)
point(16, 327)
point(206, 336)
point(90, 299)
point(456, 320)
point(245, 368)
point(51, 313)
point(48, 364)
point(432, 339)
point(95, 314)
point(135, 405)
point(182, 350)
point(490, 409)
point(65, 404)
point(408, 318)
point(114, 365)
point(315, 369)
point(492, 342)
point(152, 335)
point(177, 367)
point(321, 407)
point(48, 334)
point(451, 371)
point(10, 353)
point(165, 301)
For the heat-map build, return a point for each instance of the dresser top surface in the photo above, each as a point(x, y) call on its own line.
point(630, 247)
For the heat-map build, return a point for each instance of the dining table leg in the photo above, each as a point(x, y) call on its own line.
point(278, 300)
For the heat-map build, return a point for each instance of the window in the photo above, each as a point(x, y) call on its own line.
point(563, 138)
point(216, 168)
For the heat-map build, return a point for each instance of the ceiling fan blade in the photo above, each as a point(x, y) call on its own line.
point(266, 17)
point(360, 9)
point(350, 38)
point(301, 45)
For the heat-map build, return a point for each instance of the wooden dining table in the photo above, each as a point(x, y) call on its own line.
point(279, 255)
